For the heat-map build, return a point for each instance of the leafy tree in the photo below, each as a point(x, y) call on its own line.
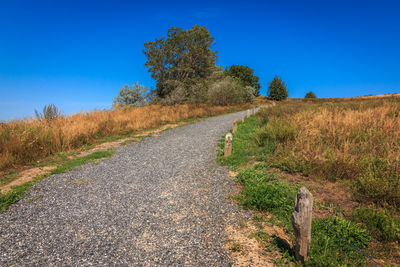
point(245, 75)
point(181, 59)
point(277, 89)
point(310, 95)
point(136, 95)
point(50, 112)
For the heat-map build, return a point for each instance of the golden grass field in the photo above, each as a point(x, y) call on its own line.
point(354, 139)
point(25, 142)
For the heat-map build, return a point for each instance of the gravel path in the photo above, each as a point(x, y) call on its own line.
point(162, 201)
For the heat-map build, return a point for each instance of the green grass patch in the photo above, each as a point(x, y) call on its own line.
point(263, 192)
point(243, 144)
point(83, 160)
point(381, 222)
point(328, 249)
point(18, 192)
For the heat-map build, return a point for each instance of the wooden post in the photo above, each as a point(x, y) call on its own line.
point(248, 113)
point(234, 126)
point(242, 118)
point(301, 221)
point(228, 145)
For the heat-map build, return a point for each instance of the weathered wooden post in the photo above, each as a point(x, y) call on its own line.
point(234, 126)
point(301, 221)
point(248, 113)
point(242, 118)
point(228, 145)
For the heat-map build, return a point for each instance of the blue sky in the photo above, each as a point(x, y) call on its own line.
point(78, 54)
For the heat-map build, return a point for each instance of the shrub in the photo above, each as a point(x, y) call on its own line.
point(277, 89)
point(50, 112)
point(136, 95)
point(246, 76)
point(310, 95)
point(227, 91)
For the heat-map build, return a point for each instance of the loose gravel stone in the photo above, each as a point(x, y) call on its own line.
point(160, 202)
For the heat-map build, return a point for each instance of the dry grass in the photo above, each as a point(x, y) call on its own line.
point(350, 139)
point(25, 142)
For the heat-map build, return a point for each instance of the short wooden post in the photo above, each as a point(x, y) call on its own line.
point(248, 113)
point(234, 126)
point(228, 145)
point(242, 118)
point(301, 221)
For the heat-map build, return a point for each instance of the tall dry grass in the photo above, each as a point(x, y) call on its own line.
point(23, 142)
point(353, 139)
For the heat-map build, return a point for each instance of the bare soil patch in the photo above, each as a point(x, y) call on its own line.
point(26, 176)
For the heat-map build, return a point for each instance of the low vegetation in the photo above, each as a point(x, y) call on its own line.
point(26, 142)
point(354, 142)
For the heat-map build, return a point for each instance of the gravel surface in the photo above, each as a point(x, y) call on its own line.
point(163, 201)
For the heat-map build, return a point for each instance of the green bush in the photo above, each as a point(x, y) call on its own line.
point(227, 91)
point(136, 95)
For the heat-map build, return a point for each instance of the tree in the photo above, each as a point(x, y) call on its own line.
point(181, 59)
point(277, 89)
point(245, 75)
point(136, 95)
point(310, 95)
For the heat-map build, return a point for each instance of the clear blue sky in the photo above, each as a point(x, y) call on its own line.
point(78, 54)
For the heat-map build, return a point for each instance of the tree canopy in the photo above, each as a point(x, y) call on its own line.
point(310, 94)
point(277, 89)
point(181, 59)
point(246, 75)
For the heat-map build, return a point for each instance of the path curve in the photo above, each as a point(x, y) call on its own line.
point(160, 202)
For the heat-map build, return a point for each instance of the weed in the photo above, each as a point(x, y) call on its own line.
point(235, 247)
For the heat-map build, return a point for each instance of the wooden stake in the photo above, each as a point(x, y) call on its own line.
point(301, 220)
point(228, 145)
point(234, 126)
